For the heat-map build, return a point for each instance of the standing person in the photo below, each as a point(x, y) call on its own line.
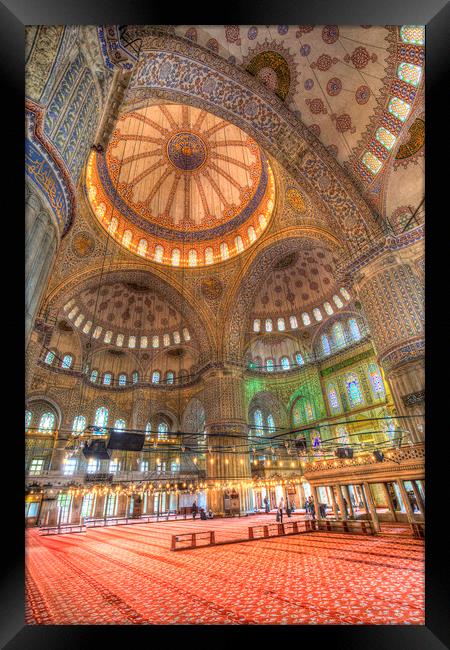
point(266, 505)
point(288, 508)
point(312, 508)
point(194, 510)
point(280, 509)
point(306, 508)
point(345, 506)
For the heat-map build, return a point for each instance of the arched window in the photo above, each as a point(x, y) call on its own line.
point(262, 221)
point(113, 225)
point(306, 319)
point(376, 381)
point(409, 73)
point(209, 255)
point(142, 247)
point(163, 428)
point(345, 293)
point(332, 397)
point(28, 416)
point(256, 325)
point(271, 423)
point(239, 244)
point(119, 340)
point(94, 376)
point(155, 342)
point(78, 320)
point(293, 322)
point(186, 335)
point(354, 329)
point(224, 251)
point(337, 301)
point(49, 357)
point(353, 390)
point(325, 344)
point(159, 252)
point(79, 424)
point(87, 327)
point(342, 435)
point(131, 341)
point(269, 365)
point(144, 342)
point(176, 337)
point(74, 311)
point(281, 325)
point(414, 34)
point(148, 429)
point(285, 363)
point(268, 324)
point(47, 422)
point(251, 234)
point(309, 411)
point(166, 340)
point(317, 314)
point(135, 377)
point(119, 425)
point(122, 379)
point(192, 257)
point(69, 304)
point(258, 418)
point(101, 417)
point(126, 238)
point(175, 257)
point(97, 331)
point(107, 379)
point(338, 334)
point(108, 336)
point(328, 308)
point(170, 377)
point(299, 359)
point(155, 377)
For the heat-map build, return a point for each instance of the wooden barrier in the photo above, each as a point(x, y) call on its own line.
point(418, 529)
point(64, 529)
point(193, 540)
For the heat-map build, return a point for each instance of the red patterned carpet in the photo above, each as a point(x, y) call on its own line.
point(128, 575)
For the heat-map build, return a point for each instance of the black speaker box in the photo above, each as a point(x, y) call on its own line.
point(344, 452)
point(379, 456)
point(96, 449)
point(126, 441)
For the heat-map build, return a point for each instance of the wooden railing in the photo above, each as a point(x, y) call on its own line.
point(62, 529)
point(184, 541)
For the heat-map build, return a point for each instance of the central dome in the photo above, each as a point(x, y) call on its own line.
point(181, 186)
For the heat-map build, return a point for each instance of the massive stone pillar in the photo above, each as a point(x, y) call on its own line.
point(392, 298)
point(226, 428)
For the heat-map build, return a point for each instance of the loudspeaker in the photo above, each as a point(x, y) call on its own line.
point(300, 444)
point(96, 449)
point(344, 452)
point(379, 456)
point(126, 441)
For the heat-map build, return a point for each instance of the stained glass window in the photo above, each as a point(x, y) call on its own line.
point(144, 466)
point(169, 377)
point(332, 397)
point(155, 342)
point(399, 108)
point(209, 255)
point(87, 327)
point(258, 417)
point(113, 467)
point(372, 163)
point(135, 377)
point(285, 363)
point(107, 378)
point(122, 380)
point(175, 257)
point(166, 340)
point(325, 344)
point(224, 251)
point(101, 417)
point(69, 304)
point(97, 332)
point(155, 377)
point(192, 257)
point(338, 334)
point(262, 221)
point(251, 234)
point(281, 325)
point(108, 336)
point(94, 375)
point(409, 73)
point(239, 244)
point(306, 319)
point(328, 308)
point(28, 416)
point(148, 428)
point(186, 335)
point(256, 325)
point(299, 359)
point(309, 411)
point(376, 381)
point(317, 314)
point(269, 365)
point(47, 422)
point(176, 337)
point(345, 293)
point(271, 423)
point(131, 341)
point(317, 441)
point(87, 505)
point(93, 465)
point(354, 329)
point(159, 253)
point(113, 225)
point(268, 325)
point(70, 466)
point(36, 467)
point(49, 357)
point(144, 342)
point(74, 311)
point(354, 391)
point(126, 238)
point(414, 34)
point(79, 424)
point(142, 247)
point(119, 340)
point(293, 322)
point(385, 137)
point(337, 301)
point(78, 320)
point(119, 425)
point(163, 428)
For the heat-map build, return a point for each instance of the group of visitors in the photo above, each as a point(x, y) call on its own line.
point(203, 514)
point(310, 508)
point(289, 508)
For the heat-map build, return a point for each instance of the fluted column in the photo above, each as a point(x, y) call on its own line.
point(392, 298)
point(333, 502)
point(226, 427)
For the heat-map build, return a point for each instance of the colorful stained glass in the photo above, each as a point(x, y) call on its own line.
point(410, 73)
point(126, 238)
point(170, 377)
point(345, 293)
point(317, 441)
point(309, 411)
point(332, 397)
point(108, 336)
point(399, 108)
point(176, 337)
point(175, 257)
point(119, 425)
point(371, 162)
point(354, 391)
point(101, 417)
point(293, 322)
point(239, 244)
point(224, 251)
point(325, 344)
point(285, 363)
point(299, 359)
point(192, 257)
point(281, 325)
point(342, 435)
point(376, 380)
point(269, 365)
point(135, 377)
point(122, 380)
point(338, 334)
point(258, 417)
point(47, 422)
point(94, 375)
point(337, 301)
point(354, 329)
point(385, 137)
point(209, 255)
point(49, 357)
point(186, 335)
point(414, 34)
point(79, 424)
point(107, 378)
point(268, 325)
point(317, 314)
point(163, 428)
point(271, 423)
point(142, 248)
point(328, 308)
point(155, 377)
point(256, 325)
point(28, 416)
point(306, 319)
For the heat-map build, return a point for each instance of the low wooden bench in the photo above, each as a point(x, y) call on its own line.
point(193, 540)
point(63, 529)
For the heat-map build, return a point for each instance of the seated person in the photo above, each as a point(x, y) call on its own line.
point(210, 514)
point(202, 514)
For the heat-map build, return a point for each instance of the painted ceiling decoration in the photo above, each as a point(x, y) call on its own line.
point(181, 186)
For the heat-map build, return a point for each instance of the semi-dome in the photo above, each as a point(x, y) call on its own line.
point(181, 186)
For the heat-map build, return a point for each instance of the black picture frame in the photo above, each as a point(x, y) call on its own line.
point(435, 14)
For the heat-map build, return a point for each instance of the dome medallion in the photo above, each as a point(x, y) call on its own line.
point(181, 186)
